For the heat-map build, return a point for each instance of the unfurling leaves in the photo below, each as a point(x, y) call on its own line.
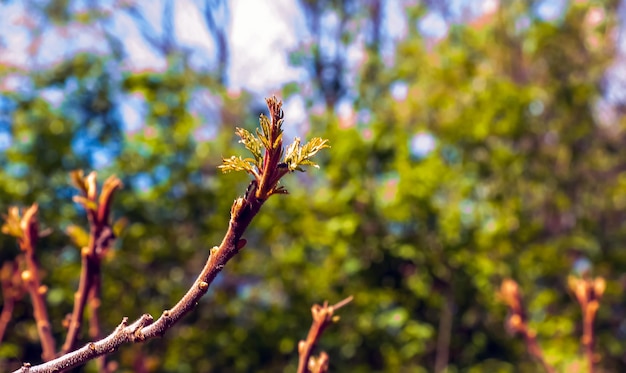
point(269, 165)
point(86, 202)
point(78, 179)
point(98, 207)
point(23, 226)
point(78, 235)
point(297, 155)
point(252, 144)
point(12, 223)
point(237, 164)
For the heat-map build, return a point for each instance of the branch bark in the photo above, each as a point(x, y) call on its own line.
point(517, 322)
point(11, 291)
point(26, 229)
point(588, 292)
point(322, 317)
point(100, 237)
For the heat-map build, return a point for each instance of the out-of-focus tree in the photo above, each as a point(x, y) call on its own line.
point(486, 157)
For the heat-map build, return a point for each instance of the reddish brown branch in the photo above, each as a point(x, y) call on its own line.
point(322, 317)
point(6, 314)
point(100, 237)
point(94, 319)
point(11, 291)
point(517, 322)
point(319, 364)
point(80, 299)
point(588, 292)
point(26, 229)
point(270, 173)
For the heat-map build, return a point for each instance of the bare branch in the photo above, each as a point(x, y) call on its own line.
point(588, 292)
point(124, 333)
point(322, 317)
point(12, 290)
point(517, 321)
point(26, 229)
point(100, 238)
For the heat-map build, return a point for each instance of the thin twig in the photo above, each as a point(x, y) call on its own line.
point(320, 363)
point(26, 229)
point(94, 319)
point(80, 299)
point(7, 311)
point(517, 321)
point(588, 292)
point(100, 237)
point(322, 317)
point(11, 291)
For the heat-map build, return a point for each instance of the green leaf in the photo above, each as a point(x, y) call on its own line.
point(297, 155)
point(265, 127)
point(251, 143)
point(237, 164)
point(79, 236)
point(86, 202)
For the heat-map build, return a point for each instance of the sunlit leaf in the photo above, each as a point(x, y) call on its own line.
point(251, 143)
point(235, 163)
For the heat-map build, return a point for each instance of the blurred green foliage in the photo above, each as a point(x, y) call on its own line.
point(493, 163)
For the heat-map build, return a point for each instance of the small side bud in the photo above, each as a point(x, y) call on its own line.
point(241, 243)
point(581, 292)
point(592, 307)
point(214, 250)
point(26, 276)
point(66, 321)
point(515, 322)
point(599, 285)
point(237, 206)
point(509, 291)
point(90, 183)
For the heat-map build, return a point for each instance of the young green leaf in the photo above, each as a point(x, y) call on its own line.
point(251, 143)
point(297, 155)
point(238, 164)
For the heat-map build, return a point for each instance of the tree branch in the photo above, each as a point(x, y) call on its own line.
point(11, 291)
point(588, 292)
point(322, 317)
point(26, 229)
point(100, 239)
point(517, 322)
point(243, 210)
